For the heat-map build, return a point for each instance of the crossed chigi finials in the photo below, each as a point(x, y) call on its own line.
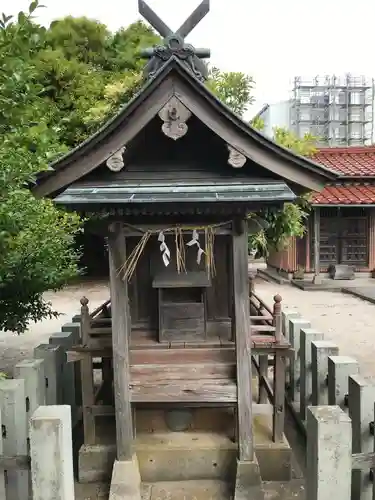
point(174, 42)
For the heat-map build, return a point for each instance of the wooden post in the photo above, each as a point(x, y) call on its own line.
point(107, 372)
point(263, 372)
point(317, 278)
point(87, 378)
point(329, 453)
point(279, 398)
point(277, 320)
point(361, 410)
point(320, 351)
point(76, 321)
point(242, 333)
point(121, 330)
point(279, 374)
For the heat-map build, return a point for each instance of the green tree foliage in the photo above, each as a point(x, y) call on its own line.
point(232, 88)
point(36, 239)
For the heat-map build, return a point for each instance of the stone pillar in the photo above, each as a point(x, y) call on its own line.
point(361, 410)
point(317, 279)
point(285, 317)
point(68, 337)
point(307, 336)
point(2, 472)
point(329, 453)
point(295, 325)
point(320, 351)
point(14, 434)
point(53, 356)
point(51, 453)
point(31, 371)
point(339, 370)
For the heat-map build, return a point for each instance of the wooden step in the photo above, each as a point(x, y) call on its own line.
point(161, 373)
point(215, 391)
point(182, 356)
point(183, 376)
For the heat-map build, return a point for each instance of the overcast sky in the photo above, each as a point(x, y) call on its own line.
point(273, 40)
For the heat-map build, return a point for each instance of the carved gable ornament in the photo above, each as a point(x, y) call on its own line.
point(235, 159)
point(174, 115)
point(115, 163)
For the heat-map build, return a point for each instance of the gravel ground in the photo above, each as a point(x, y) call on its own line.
point(344, 319)
point(347, 320)
point(14, 348)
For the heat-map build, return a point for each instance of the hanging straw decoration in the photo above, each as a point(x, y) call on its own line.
point(210, 257)
point(131, 262)
point(180, 251)
point(129, 266)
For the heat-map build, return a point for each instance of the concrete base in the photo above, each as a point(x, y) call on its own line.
point(317, 279)
point(275, 459)
point(187, 490)
point(365, 293)
point(248, 481)
point(126, 481)
point(184, 456)
point(95, 463)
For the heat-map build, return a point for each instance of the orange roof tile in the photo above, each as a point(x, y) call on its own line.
point(348, 161)
point(346, 194)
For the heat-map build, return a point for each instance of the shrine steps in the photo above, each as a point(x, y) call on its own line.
point(186, 376)
point(187, 490)
point(196, 454)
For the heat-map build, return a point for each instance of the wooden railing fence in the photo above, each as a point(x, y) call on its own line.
point(333, 406)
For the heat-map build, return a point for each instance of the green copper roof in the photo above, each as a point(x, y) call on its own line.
point(168, 192)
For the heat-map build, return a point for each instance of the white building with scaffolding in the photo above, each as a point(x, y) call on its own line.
point(339, 111)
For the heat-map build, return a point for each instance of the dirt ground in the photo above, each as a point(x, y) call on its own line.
point(347, 320)
point(14, 348)
point(344, 319)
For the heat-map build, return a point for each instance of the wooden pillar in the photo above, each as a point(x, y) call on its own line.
point(371, 239)
point(121, 330)
point(279, 376)
point(241, 334)
point(317, 278)
point(87, 378)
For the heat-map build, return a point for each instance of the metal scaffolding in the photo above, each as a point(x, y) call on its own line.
point(337, 110)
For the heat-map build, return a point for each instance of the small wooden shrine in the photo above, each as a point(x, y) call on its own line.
point(177, 180)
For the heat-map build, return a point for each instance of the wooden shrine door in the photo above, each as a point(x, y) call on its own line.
point(343, 237)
